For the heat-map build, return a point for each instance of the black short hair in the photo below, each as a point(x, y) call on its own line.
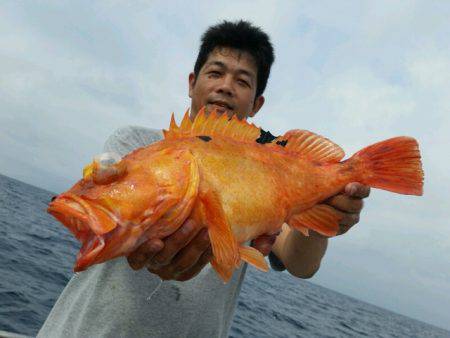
point(241, 35)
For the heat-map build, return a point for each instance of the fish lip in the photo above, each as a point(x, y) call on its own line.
point(87, 211)
point(66, 209)
point(70, 214)
point(89, 252)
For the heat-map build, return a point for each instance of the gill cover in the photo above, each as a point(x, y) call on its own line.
point(105, 168)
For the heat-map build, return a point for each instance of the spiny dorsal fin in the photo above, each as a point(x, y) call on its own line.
point(174, 130)
point(311, 146)
point(212, 125)
point(186, 123)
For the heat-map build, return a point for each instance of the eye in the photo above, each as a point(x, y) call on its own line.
point(214, 73)
point(243, 82)
point(105, 168)
point(107, 159)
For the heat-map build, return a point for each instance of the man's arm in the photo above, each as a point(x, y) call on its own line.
point(301, 255)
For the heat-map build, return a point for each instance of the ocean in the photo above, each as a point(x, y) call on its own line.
point(37, 254)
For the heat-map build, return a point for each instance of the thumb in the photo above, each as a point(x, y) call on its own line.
point(264, 243)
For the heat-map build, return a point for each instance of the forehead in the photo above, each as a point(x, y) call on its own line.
point(231, 58)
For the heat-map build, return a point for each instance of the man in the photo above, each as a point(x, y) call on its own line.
point(110, 299)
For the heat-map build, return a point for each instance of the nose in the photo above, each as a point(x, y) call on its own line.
point(226, 86)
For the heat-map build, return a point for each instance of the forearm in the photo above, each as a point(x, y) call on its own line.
point(301, 255)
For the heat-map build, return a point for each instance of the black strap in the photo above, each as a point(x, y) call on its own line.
point(275, 262)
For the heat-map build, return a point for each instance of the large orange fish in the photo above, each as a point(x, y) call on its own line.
point(231, 176)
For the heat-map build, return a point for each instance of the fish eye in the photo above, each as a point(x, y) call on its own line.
point(107, 159)
point(105, 169)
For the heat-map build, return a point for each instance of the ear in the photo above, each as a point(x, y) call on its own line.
point(257, 105)
point(191, 83)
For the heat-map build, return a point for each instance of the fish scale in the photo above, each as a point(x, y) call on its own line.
point(230, 176)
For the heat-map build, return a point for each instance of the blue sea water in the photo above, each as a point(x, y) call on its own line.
point(37, 254)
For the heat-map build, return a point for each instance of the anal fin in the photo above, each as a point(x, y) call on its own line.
point(321, 218)
point(253, 257)
point(224, 271)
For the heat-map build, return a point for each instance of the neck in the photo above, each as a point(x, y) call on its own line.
point(191, 115)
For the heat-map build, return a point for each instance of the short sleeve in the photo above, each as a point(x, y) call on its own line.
point(126, 139)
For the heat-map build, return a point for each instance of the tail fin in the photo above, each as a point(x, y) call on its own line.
point(392, 165)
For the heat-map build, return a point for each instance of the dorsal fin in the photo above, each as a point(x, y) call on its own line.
point(212, 125)
point(174, 130)
point(311, 146)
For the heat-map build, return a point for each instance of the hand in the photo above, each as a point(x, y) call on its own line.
point(349, 204)
point(264, 243)
point(181, 256)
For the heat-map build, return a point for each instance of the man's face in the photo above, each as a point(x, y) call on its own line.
point(226, 82)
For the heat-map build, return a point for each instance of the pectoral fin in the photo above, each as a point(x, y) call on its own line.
point(224, 245)
point(254, 257)
point(321, 218)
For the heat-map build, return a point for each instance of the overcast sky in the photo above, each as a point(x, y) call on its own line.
point(356, 72)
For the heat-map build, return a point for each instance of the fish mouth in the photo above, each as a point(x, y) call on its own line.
point(88, 222)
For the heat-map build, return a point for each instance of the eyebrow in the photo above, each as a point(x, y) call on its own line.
point(222, 65)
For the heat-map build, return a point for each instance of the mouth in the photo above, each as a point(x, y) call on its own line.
point(220, 105)
point(86, 222)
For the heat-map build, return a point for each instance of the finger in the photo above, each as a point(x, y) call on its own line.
point(345, 203)
point(313, 233)
point(349, 220)
point(197, 267)
point(264, 243)
point(174, 243)
point(165, 273)
point(174, 271)
point(357, 190)
point(189, 255)
point(138, 258)
point(343, 228)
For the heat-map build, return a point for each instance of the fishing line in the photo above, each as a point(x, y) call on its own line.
point(160, 282)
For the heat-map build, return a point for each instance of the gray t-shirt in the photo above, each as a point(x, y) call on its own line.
point(112, 300)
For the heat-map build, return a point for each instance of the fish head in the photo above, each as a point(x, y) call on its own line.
point(110, 209)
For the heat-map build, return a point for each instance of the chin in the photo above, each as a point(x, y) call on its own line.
point(219, 109)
